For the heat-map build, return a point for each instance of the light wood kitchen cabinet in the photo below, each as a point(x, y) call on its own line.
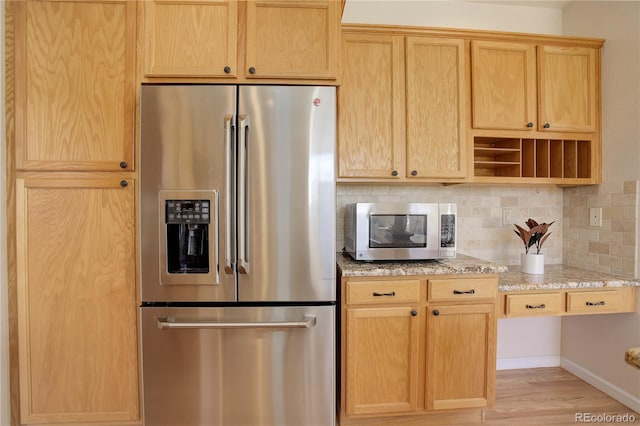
point(238, 41)
point(506, 79)
point(76, 309)
point(569, 81)
point(74, 84)
point(371, 99)
point(414, 345)
point(461, 342)
point(576, 301)
point(401, 107)
point(461, 356)
point(382, 360)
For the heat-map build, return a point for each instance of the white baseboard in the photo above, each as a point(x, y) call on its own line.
point(599, 383)
point(532, 362)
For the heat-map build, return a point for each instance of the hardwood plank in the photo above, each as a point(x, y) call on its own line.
point(543, 396)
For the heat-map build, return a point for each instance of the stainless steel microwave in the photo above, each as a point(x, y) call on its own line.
point(400, 231)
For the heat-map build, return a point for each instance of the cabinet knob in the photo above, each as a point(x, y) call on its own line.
point(123, 183)
point(529, 124)
point(394, 173)
point(546, 125)
point(436, 312)
point(414, 173)
point(123, 164)
point(252, 70)
point(414, 313)
point(227, 69)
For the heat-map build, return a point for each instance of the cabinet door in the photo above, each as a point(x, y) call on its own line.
point(74, 85)
point(503, 84)
point(381, 360)
point(568, 88)
point(77, 326)
point(435, 108)
point(186, 38)
point(461, 358)
point(292, 39)
point(371, 107)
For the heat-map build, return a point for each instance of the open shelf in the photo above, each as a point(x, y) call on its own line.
point(532, 158)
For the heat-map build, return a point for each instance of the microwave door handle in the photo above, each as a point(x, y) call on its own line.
point(228, 127)
point(171, 323)
point(243, 264)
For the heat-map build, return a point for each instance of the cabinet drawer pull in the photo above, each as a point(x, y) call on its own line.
point(375, 293)
point(472, 291)
point(541, 306)
point(600, 303)
point(414, 313)
point(436, 312)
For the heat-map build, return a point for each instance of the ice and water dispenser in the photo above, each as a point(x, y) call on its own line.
point(188, 223)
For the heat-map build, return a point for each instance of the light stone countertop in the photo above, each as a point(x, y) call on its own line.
point(558, 277)
point(555, 277)
point(461, 264)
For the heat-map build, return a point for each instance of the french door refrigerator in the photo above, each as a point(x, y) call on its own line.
point(237, 229)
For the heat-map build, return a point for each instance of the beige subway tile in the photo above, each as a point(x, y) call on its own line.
point(600, 200)
point(622, 200)
point(629, 238)
point(610, 261)
point(611, 187)
point(630, 187)
point(600, 248)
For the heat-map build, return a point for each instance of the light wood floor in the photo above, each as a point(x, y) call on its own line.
point(534, 396)
point(548, 396)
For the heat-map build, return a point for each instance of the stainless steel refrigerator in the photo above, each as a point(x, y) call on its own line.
point(237, 221)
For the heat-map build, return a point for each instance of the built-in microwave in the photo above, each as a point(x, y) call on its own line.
point(400, 231)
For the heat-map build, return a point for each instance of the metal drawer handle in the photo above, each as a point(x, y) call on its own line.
point(472, 291)
point(375, 293)
point(600, 303)
point(170, 322)
point(541, 306)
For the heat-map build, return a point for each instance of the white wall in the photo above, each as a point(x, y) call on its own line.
point(593, 347)
point(528, 342)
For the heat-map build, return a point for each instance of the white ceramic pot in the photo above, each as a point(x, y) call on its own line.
point(532, 263)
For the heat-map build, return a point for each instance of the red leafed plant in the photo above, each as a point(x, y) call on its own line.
point(535, 236)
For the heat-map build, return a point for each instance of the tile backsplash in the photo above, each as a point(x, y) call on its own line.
point(481, 232)
point(609, 248)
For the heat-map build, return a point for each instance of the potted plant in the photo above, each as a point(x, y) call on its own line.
point(535, 236)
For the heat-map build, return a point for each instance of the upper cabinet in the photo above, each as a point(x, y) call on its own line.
point(401, 108)
point(191, 39)
point(568, 89)
point(242, 41)
point(74, 84)
point(511, 90)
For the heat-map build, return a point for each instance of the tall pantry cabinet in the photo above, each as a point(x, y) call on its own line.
point(70, 128)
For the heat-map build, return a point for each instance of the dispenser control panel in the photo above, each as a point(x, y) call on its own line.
point(187, 211)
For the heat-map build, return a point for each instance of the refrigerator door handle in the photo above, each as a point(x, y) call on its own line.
point(171, 323)
point(243, 264)
point(228, 126)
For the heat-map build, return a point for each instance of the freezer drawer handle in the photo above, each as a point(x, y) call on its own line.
point(170, 322)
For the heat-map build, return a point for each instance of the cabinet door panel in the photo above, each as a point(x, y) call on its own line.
point(503, 81)
point(78, 359)
point(191, 39)
point(435, 108)
point(371, 99)
point(75, 87)
point(292, 39)
point(461, 359)
point(382, 355)
point(568, 91)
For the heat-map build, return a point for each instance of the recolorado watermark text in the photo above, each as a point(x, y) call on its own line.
point(605, 418)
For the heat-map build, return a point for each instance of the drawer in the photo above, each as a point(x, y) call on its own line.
point(460, 289)
point(388, 291)
point(525, 305)
point(591, 302)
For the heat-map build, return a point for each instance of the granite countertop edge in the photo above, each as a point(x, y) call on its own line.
point(556, 277)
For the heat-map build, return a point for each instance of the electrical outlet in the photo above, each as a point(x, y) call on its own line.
point(506, 216)
point(595, 216)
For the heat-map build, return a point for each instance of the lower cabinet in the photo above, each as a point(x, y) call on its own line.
point(382, 355)
point(414, 345)
point(77, 313)
point(461, 356)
